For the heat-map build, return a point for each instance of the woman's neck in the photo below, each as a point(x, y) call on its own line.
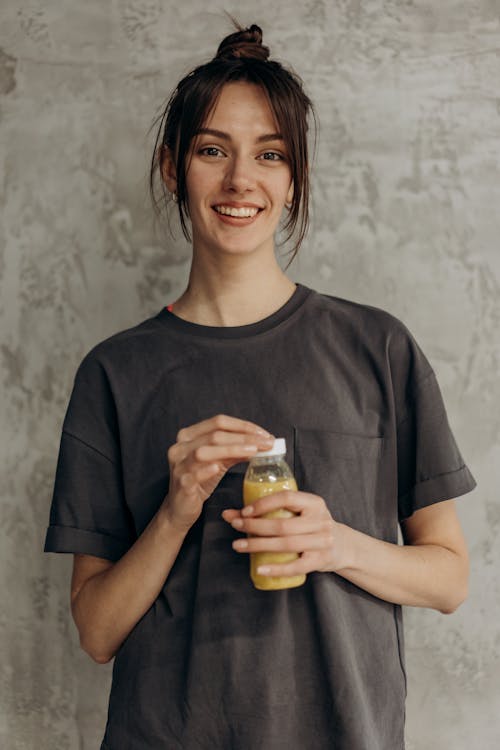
point(216, 301)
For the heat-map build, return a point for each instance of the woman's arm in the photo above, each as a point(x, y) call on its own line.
point(108, 599)
point(430, 570)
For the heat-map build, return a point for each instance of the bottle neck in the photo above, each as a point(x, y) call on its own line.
point(268, 459)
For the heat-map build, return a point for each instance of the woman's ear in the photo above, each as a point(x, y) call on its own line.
point(168, 170)
point(289, 197)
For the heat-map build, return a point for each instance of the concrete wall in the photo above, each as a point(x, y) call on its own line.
point(406, 195)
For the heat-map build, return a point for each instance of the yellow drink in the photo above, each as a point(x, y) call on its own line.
point(252, 491)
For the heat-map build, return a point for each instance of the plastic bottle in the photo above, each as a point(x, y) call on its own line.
point(268, 472)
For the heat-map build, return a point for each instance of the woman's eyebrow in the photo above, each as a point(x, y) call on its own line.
point(227, 137)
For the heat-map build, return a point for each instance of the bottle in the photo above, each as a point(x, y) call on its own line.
point(268, 472)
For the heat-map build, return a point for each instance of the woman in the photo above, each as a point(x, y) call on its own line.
point(160, 579)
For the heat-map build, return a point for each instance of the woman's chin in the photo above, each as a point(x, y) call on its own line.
point(238, 246)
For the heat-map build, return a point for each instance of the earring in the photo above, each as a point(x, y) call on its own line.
point(174, 197)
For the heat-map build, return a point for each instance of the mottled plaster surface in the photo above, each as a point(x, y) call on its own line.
point(405, 217)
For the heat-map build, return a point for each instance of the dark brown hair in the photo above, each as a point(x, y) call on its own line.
point(241, 57)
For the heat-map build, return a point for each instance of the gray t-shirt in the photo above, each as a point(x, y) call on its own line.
point(216, 663)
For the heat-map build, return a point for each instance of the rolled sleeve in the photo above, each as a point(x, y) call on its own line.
point(430, 465)
point(67, 539)
point(88, 513)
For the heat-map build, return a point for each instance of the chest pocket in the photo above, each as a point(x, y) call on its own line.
point(344, 470)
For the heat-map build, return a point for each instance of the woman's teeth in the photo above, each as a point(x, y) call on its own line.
point(246, 212)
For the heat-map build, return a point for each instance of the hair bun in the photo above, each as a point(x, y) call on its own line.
point(245, 43)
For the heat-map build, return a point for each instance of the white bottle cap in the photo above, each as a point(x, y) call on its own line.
point(278, 449)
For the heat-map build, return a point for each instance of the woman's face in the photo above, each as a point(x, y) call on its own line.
point(239, 177)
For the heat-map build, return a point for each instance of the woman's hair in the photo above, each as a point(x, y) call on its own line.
point(241, 57)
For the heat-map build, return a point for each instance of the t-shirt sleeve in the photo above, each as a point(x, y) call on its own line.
point(429, 463)
point(89, 513)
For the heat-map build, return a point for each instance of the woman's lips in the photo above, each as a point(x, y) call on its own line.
point(237, 221)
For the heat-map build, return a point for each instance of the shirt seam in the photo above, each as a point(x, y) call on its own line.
point(87, 445)
point(94, 532)
point(432, 478)
point(242, 337)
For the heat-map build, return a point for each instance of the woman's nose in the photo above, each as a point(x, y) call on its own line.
point(239, 176)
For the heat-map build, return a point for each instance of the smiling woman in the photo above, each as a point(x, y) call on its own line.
point(162, 417)
point(275, 94)
point(236, 184)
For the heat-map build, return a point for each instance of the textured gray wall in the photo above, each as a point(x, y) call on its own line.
point(406, 195)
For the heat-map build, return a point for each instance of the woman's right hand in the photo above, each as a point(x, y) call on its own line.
point(199, 459)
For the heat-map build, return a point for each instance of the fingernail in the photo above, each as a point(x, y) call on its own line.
point(263, 569)
point(259, 431)
point(240, 544)
point(237, 523)
point(247, 511)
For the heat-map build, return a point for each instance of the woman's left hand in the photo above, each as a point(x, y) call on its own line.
point(312, 533)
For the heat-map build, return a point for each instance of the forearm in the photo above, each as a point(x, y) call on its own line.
point(419, 575)
point(111, 603)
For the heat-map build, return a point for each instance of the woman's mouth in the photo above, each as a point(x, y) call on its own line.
point(237, 216)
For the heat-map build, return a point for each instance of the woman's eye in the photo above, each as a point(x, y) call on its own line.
point(272, 156)
point(210, 151)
